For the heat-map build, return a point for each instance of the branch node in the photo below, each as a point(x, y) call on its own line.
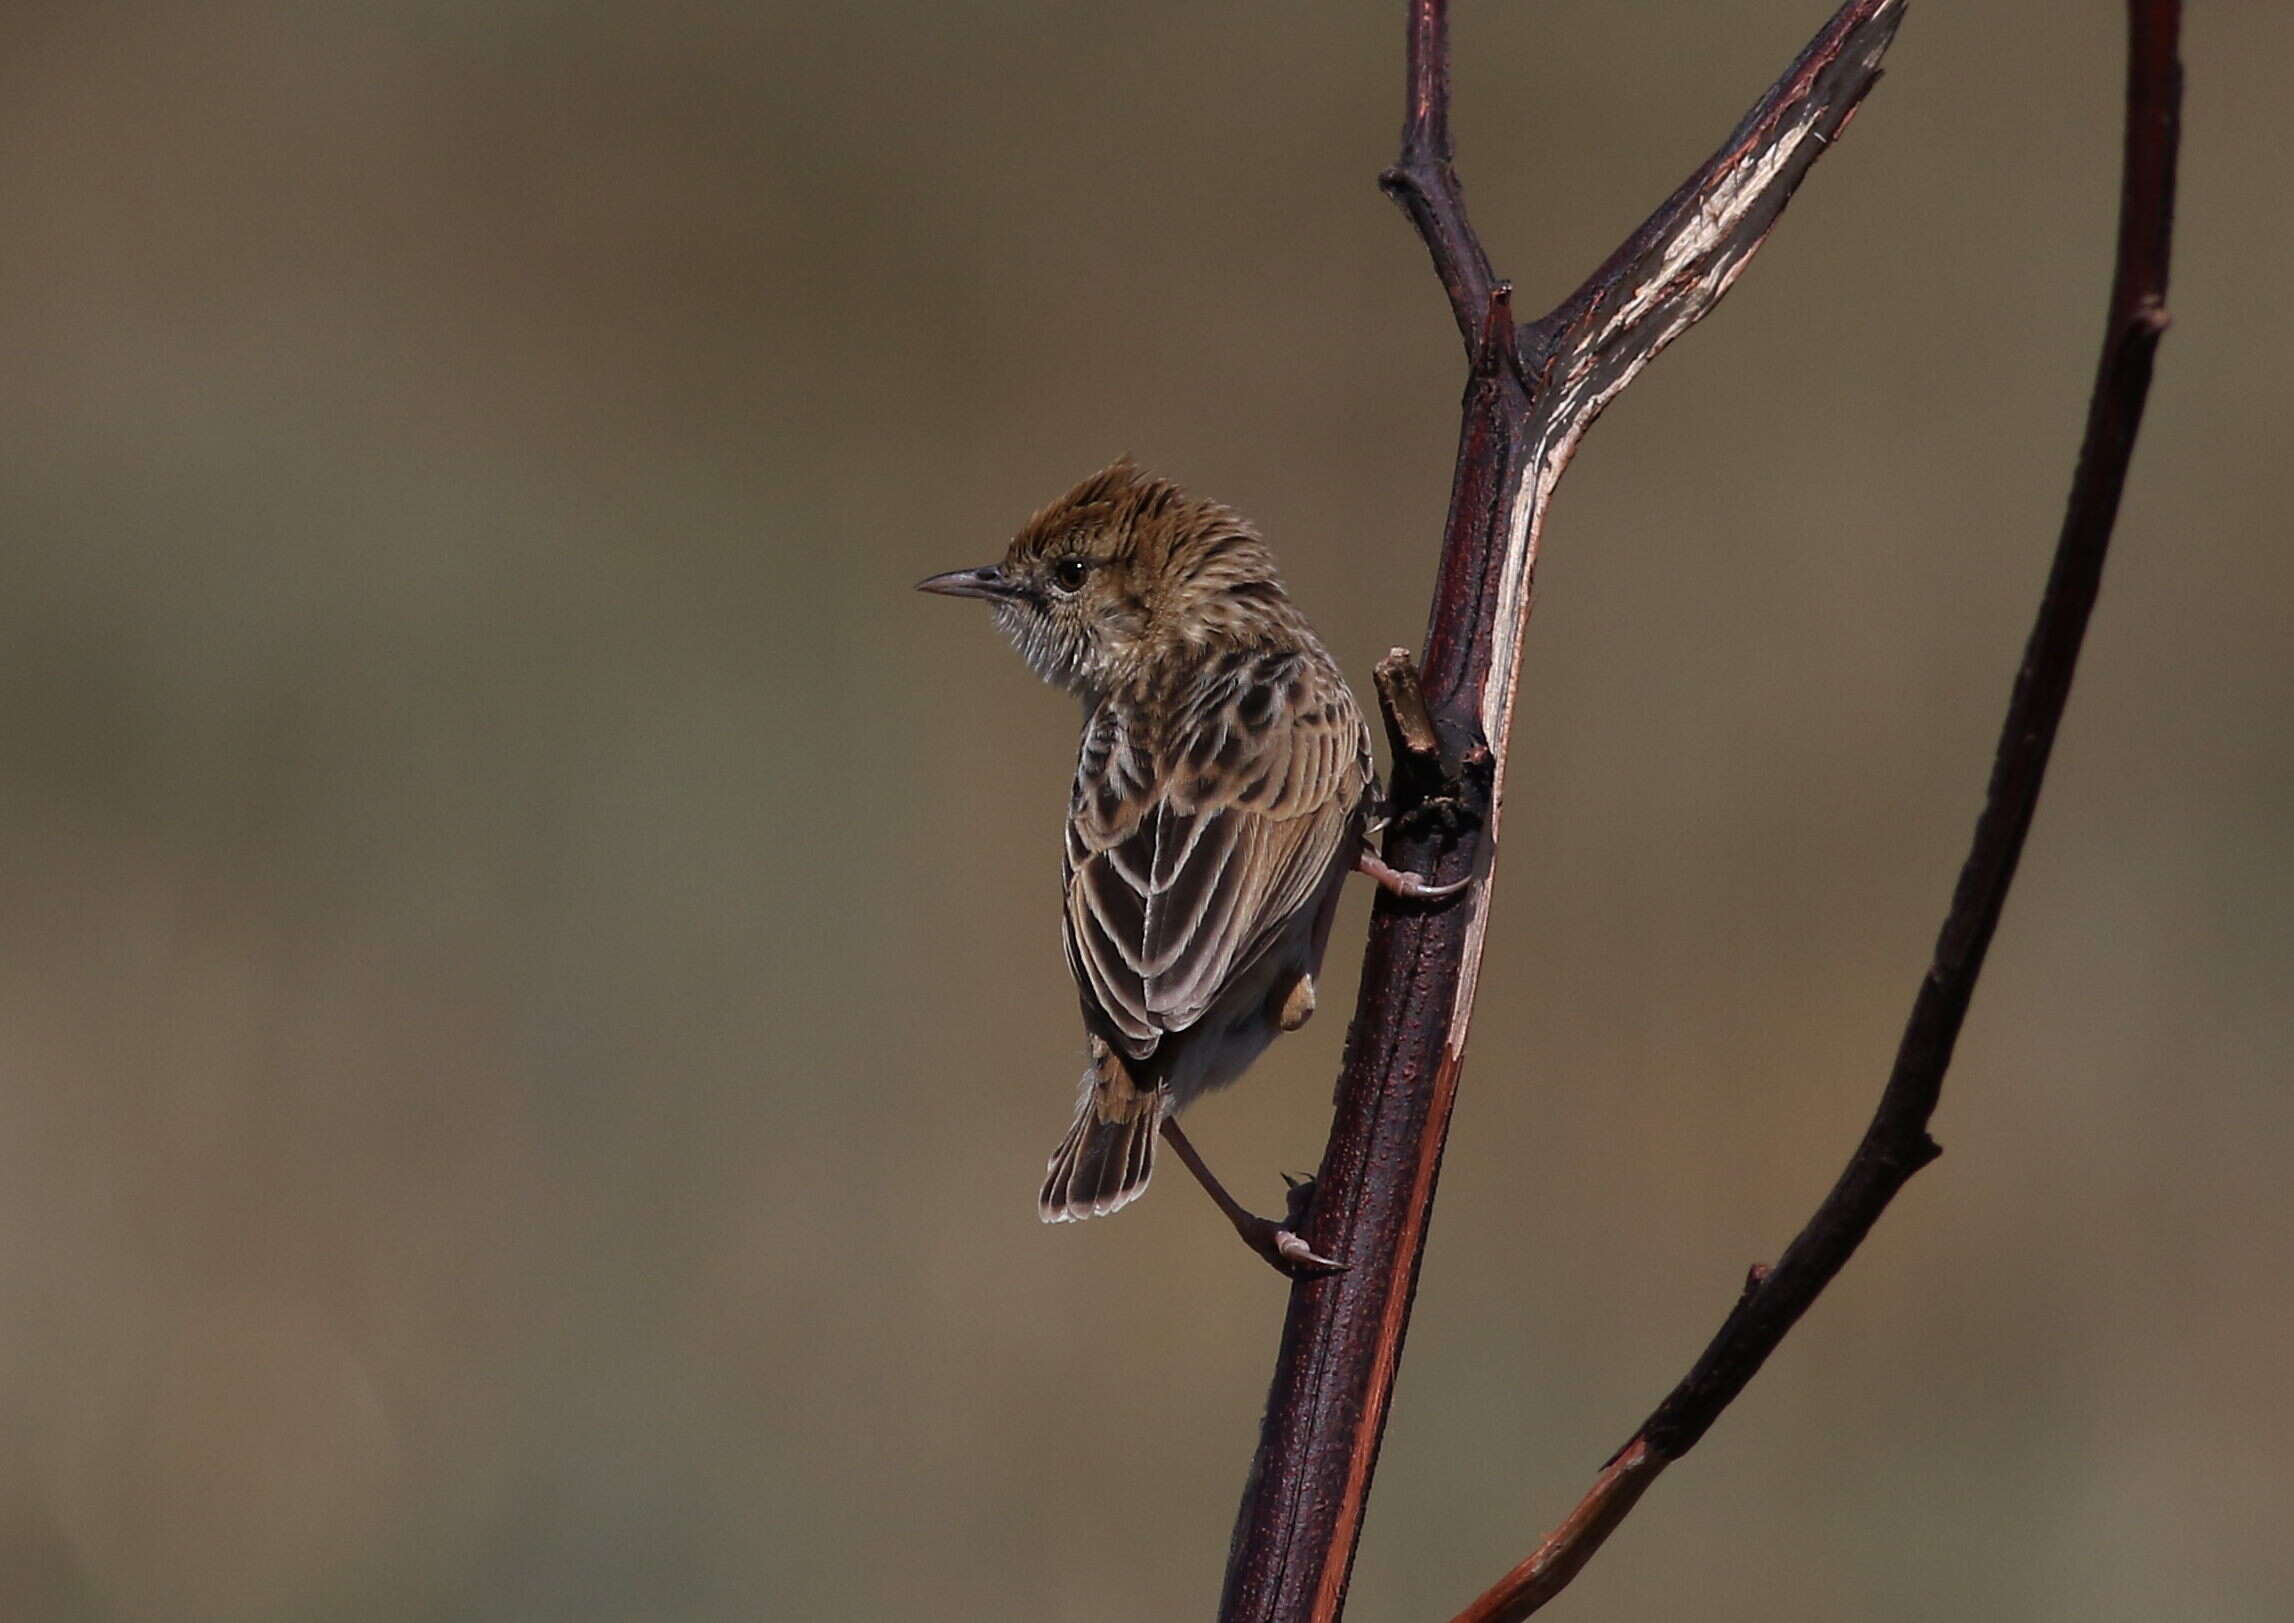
point(1402, 701)
point(1432, 791)
point(1497, 348)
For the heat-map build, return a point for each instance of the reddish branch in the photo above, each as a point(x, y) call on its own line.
point(1896, 1145)
point(1532, 392)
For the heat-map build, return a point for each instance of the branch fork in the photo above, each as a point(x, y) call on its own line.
point(1532, 392)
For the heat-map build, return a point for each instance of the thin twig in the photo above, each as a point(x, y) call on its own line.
point(1531, 394)
point(1896, 1145)
point(1423, 182)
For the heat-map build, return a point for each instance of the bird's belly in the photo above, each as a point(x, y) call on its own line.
point(1237, 1028)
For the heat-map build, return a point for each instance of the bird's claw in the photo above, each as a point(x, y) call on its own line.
point(1410, 887)
point(1287, 1252)
point(1300, 1260)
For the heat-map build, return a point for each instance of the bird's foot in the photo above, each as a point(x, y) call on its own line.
point(1281, 1243)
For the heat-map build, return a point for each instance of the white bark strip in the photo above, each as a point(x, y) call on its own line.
point(1680, 283)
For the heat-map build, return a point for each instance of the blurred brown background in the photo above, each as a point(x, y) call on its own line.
point(530, 1006)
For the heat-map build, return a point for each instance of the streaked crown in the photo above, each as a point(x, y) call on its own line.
point(1123, 571)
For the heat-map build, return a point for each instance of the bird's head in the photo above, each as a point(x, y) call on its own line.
point(1121, 571)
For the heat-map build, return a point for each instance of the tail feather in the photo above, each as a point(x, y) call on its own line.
point(1109, 1154)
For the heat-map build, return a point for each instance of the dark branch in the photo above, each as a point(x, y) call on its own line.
point(1524, 413)
point(1896, 1145)
point(1423, 182)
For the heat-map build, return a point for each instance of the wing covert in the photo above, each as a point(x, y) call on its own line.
point(1192, 846)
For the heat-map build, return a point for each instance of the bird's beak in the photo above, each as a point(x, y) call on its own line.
point(986, 581)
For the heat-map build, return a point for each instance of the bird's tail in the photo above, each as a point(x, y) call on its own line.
point(1109, 1154)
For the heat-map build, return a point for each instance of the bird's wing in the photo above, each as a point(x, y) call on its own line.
point(1194, 837)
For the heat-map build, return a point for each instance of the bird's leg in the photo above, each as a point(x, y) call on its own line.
point(1411, 887)
point(1280, 1245)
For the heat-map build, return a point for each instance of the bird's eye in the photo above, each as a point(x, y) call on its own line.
point(1068, 573)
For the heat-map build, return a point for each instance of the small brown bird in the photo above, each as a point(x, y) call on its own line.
point(1223, 792)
